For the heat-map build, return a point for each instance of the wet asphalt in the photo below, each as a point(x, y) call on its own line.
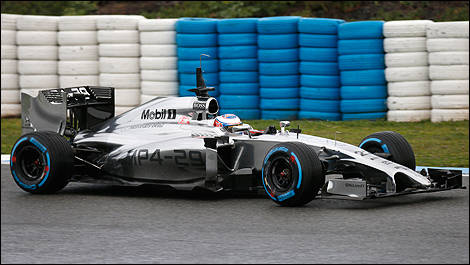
point(89, 223)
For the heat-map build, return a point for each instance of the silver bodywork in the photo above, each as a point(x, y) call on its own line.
point(136, 138)
point(172, 141)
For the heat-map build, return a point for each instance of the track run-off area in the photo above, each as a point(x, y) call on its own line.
point(90, 223)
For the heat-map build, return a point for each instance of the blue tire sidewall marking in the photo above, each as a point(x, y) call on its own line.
point(44, 150)
point(290, 193)
point(14, 149)
point(299, 181)
point(369, 140)
point(384, 146)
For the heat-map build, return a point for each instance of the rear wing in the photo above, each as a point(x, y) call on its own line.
point(66, 110)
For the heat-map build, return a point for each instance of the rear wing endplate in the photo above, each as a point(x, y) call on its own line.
point(74, 108)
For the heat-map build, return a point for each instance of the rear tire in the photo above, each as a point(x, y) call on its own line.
point(41, 162)
point(292, 174)
point(392, 143)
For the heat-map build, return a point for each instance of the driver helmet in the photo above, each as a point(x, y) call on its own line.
point(227, 121)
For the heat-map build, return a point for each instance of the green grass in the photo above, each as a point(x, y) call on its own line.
point(434, 144)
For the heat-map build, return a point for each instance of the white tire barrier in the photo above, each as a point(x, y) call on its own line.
point(118, 36)
point(405, 28)
point(416, 73)
point(405, 59)
point(37, 67)
point(409, 88)
point(118, 110)
point(416, 44)
point(10, 96)
point(10, 110)
point(8, 37)
point(77, 23)
point(118, 22)
point(450, 44)
point(448, 72)
point(449, 87)
point(448, 58)
point(449, 102)
point(9, 21)
point(9, 66)
point(36, 38)
point(408, 115)
point(78, 53)
point(146, 98)
point(455, 29)
point(157, 50)
point(447, 45)
point(31, 91)
point(78, 67)
point(9, 81)
point(77, 38)
point(159, 75)
point(120, 81)
point(407, 70)
point(127, 97)
point(119, 50)
point(38, 52)
point(409, 103)
point(39, 23)
point(9, 51)
point(119, 65)
point(158, 63)
point(438, 115)
point(159, 88)
point(39, 81)
point(167, 24)
point(78, 80)
point(158, 37)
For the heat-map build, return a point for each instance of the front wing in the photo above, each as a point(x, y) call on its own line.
point(359, 189)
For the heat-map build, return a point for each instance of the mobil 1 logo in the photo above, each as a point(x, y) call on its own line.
point(158, 114)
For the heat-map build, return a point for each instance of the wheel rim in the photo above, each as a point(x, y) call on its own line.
point(281, 174)
point(373, 148)
point(32, 163)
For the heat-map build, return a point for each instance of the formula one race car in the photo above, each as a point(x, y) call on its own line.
point(71, 134)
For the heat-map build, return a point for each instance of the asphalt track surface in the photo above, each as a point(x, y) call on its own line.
point(87, 223)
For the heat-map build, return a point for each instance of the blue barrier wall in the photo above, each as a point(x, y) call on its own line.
point(319, 75)
point(361, 63)
point(270, 68)
point(278, 67)
point(196, 36)
point(238, 67)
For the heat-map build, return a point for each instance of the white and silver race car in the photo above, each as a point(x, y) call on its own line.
point(71, 134)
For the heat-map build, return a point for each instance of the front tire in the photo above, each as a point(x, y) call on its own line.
point(292, 174)
point(41, 162)
point(392, 143)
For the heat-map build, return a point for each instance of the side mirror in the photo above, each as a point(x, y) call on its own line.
point(283, 125)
